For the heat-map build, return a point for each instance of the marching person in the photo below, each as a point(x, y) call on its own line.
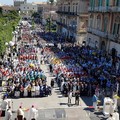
point(94, 100)
point(20, 113)
point(8, 114)
point(33, 113)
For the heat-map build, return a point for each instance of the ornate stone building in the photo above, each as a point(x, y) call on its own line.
point(104, 25)
point(73, 19)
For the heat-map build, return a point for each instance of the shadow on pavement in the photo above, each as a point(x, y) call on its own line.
point(87, 100)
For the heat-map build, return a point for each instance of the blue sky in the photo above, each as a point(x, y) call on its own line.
point(10, 2)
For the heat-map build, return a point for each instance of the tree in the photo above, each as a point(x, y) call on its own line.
point(51, 2)
point(1, 10)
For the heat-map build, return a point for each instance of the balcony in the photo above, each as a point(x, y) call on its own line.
point(67, 13)
point(100, 9)
point(62, 24)
point(97, 32)
point(115, 37)
point(110, 36)
point(115, 9)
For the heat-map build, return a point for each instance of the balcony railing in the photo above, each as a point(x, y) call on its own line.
point(67, 13)
point(62, 24)
point(71, 28)
point(104, 9)
point(115, 9)
point(115, 37)
point(97, 32)
point(110, 36)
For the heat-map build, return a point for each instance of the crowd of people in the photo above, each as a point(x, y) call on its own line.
point(83, 69)
point(25, 78)
point(78, 70)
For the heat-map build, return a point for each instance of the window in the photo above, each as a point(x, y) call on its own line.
point(116, 26)
point(117, 2)
point(105, 24)
point(33, 8)
point(76, 7)
point(107, 3)
point(73, 8)
point(91, 21)
point(27, 7)
point(99, 22)
point(100, 3)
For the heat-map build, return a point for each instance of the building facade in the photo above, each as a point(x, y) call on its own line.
point(17, 3)
point(73, 19)
point(7, 9)
point(104, 25)
point(28, 9)
point(48, 11)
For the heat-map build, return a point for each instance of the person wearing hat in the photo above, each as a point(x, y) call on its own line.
point(20, 113)
point(33, 113)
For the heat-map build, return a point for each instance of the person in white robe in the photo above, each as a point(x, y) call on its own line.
point(8, 114)
point(33, 113)
point(116, 115)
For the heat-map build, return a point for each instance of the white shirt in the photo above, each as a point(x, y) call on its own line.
point(8, 115)
point(33, 113)
point(20, 112)
point(116, 116)
point(4, 105)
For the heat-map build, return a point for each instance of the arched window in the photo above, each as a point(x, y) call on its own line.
point(91, 21)
point(116, 26)
point(100, 3)
point(117, 3)
point(99, 22)
point(68, 7)
point(105, 24)
point(107, 2)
